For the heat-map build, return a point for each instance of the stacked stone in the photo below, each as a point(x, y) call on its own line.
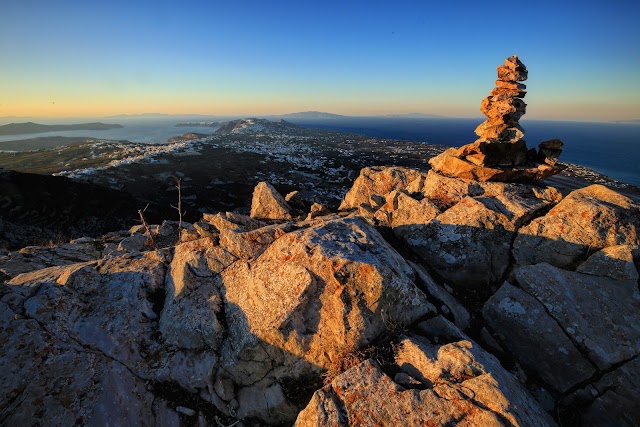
point(500, 142)
point(500, 154)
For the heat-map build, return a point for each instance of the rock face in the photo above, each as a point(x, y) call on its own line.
point(587, 220)
point(267, 203)
point(500, 153)
point(456, 383)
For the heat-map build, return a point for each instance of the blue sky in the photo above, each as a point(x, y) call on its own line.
point(88, 58)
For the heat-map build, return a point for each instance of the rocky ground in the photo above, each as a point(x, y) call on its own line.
point(423, 300)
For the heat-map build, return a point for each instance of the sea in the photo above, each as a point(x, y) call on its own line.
point(612, 149)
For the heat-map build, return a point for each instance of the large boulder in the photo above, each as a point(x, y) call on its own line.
point(587, 220)
point(600, 314)
point(469, 244)
point(450, 164)
point(267, 203)
point(456, 383)
point(525, 329)
point(193, 306)
point(374, 183)
point(319, 291)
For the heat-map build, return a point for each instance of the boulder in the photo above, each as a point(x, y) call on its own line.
point(449, 164)
point(374, 183)
point(494, 153)
point(549, 151)
point(469, 244)
point(267, 203)
point(453, 384)
point(319, 291)
point(71, 343)
point(600, 314)
point(534, 338)
point(193, 306)
point(587, 220)
point(402, 211)
point(616, 262)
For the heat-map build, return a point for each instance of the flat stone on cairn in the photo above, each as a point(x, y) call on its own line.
point(500, 153)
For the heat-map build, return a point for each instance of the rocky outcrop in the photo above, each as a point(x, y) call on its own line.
point(231, 331)
point(469, 244)
point(374, 183)
point(234, 318)
point(500, 154)
point(587, 323)
point(456, 383)
point(587, 220)
point(267, 203)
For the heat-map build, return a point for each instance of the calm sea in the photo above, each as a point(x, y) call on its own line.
point(610, 148)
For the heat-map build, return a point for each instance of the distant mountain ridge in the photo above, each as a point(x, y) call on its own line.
point(31, 127)
point(310, 115)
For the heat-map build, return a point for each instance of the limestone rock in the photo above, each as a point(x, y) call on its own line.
point(311, 280)
point(505, 73)
point(500, 154)
point(250, 244)
point(449, 164)
point(616, 262)
point(514, 63)
point(450, 305)
point(401, 211)
point(454, 371)
point(549, 151)
point(469, 244)
point(587, 220)
point(267, 203)
point(317, 210)
point(193, 306)
point(500, 131)
point(524, 328)
point(374, 183)
point(232, 221)
point(34, 258)
point(601, 314)
point(494, 153)
point(612, 400)
point(510, 85)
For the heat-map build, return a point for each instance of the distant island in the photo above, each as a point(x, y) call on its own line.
point(633, 121)
point(30, 127)
point(310, 115)
point(199, 124)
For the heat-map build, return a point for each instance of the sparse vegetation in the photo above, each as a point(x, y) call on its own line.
point(151, 236)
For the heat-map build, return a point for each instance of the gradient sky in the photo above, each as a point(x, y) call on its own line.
point(92, 58)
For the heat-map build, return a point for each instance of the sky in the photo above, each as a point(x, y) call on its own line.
point(89, 58)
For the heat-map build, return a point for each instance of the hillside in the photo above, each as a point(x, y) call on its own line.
point(36, 209)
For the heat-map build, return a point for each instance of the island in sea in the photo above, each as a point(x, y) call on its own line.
point(30, 127)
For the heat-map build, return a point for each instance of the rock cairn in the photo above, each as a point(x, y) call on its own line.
point(500, 153)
